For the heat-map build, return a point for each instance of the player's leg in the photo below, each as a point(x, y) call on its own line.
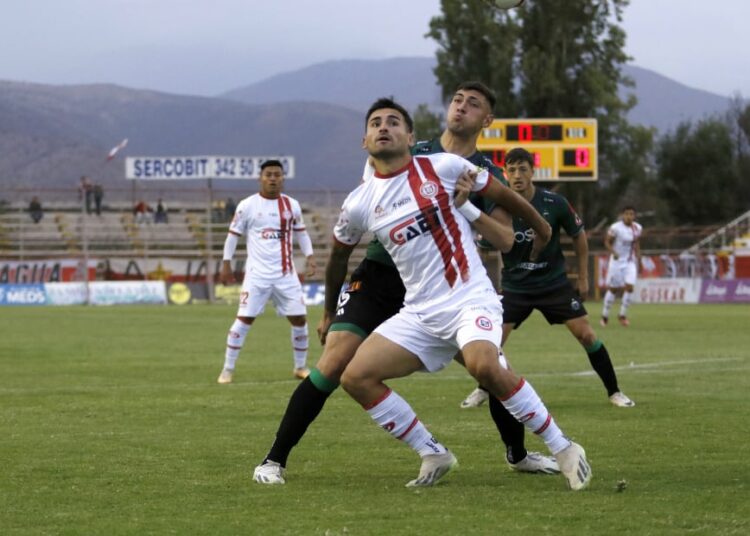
point(306, 403)
point(599, 359)
point(253, 298)
point(477, 338)
point(631, 273)
point(374, 294)
point(614, 283)
point(384, 356)
point(289, 301)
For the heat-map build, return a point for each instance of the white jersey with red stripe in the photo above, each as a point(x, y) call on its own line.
point(625, 237)
point(267, 225)
point(411, 212)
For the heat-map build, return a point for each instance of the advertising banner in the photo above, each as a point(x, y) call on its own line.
point(31, 294)
point(45, 271)
point(663, 290)
point(725, 291)
point(66, 293)
point(201, 167)
point(122, 292)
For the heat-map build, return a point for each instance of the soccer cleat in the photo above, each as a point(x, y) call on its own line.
point(434, 467)
point(624, 320)
point(621, 401)
point(301, 373)
point(574, 466)
point(269, 473)
point(475, 399)
point(225, 376)
point(536, 462)
point(603, 321)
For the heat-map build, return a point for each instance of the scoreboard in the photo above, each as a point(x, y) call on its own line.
point(563, 149)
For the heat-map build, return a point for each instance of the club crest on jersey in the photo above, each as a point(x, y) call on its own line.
point(416, 226)
point(287, 215)
point(271, 234)
point(428, 189)
point(484, 323)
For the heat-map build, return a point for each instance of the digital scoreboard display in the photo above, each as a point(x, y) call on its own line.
point(563, 149)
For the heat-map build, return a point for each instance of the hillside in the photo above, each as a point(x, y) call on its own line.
point(662, 102)
point(50, 135)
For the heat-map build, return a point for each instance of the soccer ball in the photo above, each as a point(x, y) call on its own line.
point(505, 4)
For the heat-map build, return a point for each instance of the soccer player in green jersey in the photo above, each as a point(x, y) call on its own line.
point(543, 283)
point(375, 293)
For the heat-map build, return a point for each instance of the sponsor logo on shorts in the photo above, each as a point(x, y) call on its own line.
point(575, 305)
point(484, 323)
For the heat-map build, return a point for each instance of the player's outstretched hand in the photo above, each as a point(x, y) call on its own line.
point(463, 187)
point(323, 326)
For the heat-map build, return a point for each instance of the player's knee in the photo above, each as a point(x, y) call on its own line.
point(587, 338)
point(297, 321)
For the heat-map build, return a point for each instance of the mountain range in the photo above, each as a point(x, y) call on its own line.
point(51, 135)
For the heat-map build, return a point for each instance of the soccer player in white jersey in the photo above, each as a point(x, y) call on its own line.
point(267, 220)
point(450, 303)
point(623, 244)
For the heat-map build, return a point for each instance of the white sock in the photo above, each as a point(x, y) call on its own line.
point(626, 297)
point(526, 406)
point(299, 346)
point(396, 417)
point(609, 300)
point(235, 340)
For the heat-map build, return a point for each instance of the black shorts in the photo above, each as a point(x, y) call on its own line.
point(557, 305)
point(374, 294)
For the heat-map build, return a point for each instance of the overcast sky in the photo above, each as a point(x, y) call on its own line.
point(206, 47)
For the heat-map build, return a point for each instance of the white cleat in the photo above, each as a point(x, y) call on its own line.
point(434, 467)
point(225, 376)
point(621, 401)
point(301, 373)
point(536, 462)
point(475, 399)
point(574, 466)
point(269, 473)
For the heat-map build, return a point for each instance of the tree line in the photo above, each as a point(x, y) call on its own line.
point(557, 59)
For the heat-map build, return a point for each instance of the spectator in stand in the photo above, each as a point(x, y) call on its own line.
point(86, 192)
point(160, 216)
point(142, 212)
point(98, 195)
point(229, 209)
point(35, 209)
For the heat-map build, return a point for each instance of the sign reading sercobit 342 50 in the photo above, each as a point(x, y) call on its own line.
point(201, 167)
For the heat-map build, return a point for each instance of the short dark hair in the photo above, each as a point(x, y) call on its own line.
point(628, 207)
point(519, 155)
point(385, 102)
point(269, 163)
point(479, 87)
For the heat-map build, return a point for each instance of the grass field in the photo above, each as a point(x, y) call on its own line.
point(111, 423)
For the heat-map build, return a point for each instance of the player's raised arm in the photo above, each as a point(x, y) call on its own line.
point(496, 229)
point(516, 205)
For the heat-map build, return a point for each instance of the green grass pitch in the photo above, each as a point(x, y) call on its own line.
point(111, 422)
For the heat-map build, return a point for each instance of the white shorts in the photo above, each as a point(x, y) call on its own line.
point(621, 273)
point(285, 292)
point(436, 337)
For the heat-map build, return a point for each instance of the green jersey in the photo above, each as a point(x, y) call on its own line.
point(548, 271)
point(375, 250)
